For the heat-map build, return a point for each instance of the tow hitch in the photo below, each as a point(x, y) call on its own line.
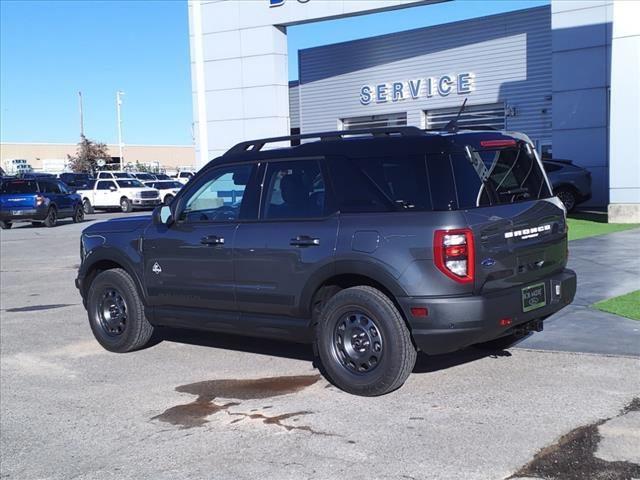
point(526, 328)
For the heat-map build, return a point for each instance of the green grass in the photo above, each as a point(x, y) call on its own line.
point(625, 305)
point(590, 224)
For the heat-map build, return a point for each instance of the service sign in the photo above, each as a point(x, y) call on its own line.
point(442, 86)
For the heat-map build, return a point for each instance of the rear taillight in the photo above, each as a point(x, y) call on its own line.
point(454, 254)
point(39, 200)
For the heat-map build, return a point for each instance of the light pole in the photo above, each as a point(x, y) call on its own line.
point(120, 145)
point(81, 116)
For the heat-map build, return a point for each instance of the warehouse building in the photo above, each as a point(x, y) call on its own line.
point(567, 75)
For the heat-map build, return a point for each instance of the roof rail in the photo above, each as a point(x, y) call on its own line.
point(257, 145)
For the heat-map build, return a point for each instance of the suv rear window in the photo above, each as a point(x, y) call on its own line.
point(18, 187)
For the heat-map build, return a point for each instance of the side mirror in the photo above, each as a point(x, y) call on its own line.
point(162, 215)
point(113, 189)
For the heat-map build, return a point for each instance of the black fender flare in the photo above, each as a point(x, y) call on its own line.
point(371, 269)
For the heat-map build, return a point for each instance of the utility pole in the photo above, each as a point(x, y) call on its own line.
point(81, 116)
point(120, 145)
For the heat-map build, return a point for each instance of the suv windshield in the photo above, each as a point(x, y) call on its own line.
point(130, 183)
point(18, 186)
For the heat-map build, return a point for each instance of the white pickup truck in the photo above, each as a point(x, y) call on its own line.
point(126, 194)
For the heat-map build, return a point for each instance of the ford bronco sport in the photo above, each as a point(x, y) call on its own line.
point(372, 245)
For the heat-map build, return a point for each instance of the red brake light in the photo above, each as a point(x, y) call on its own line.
point(454, 254)
point(497, 143)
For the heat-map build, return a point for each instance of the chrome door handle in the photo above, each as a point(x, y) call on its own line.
point(212, 240)
point(304, 241)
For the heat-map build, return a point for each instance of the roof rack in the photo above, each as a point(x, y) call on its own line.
point(257, 145)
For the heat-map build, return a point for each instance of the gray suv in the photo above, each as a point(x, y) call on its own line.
point(371, 245)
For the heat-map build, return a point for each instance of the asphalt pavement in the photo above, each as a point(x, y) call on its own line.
point(206, 406)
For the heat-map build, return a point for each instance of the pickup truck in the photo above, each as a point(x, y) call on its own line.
point(125, 194)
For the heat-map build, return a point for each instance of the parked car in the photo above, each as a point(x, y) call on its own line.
point(76, 180)
point(126, 194)
point(168, 189)
point(39, 200)
point(371, 244)
point(184, 176)
point(163, 176)
point(113, 174)
point(570, 183)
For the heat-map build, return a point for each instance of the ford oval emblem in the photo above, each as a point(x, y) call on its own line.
point(488, 262)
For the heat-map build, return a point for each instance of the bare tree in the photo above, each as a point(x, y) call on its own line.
point(87, 155)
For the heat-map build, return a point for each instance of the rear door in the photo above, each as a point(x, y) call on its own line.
point(519, 228)
point(294, 238)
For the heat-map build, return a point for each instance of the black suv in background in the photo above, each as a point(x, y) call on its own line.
point(570, 183)
point(372, 245)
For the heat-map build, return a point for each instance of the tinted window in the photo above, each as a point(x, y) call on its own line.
point(219, 197)
point(294, 190)
point(18, 186)
point(49, 187)
point(162, 176)
point(105, 175)
point(443, 190)
point(145, 176)
point(106, 185)
point(131, 183)
point(122, 175)
point(166, 185)
point(381, 184)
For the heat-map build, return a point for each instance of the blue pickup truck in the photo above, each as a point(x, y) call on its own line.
point(39, 200)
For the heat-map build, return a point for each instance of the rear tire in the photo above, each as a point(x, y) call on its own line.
point(51, 219)
point(5, 225)
point(125, 205)
point(116, 313)
point(78, 214)
point(87, 207)
point(363, 342)
point(568, 197)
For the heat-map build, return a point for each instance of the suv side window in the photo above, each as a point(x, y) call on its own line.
point(49, 187)
point(294, 189)
point(105, 185)
point(104, 175)
point(220, 197)
point(381, 184)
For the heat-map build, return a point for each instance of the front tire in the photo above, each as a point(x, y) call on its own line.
point(5, 225)
point(51, 219)
point(78, 214)
point(168, 199)
point(116, 313)
point(363, 342)
point(87, 207)
point(125, 205)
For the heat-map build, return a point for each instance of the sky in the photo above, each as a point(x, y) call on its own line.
point(50, 50)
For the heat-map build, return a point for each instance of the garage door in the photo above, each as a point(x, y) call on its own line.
point(490, 115)
point(374, 121)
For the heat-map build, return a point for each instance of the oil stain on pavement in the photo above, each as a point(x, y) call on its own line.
point(573, 457)
point(195, 414)
point(35, 308)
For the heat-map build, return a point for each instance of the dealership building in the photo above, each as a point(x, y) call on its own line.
point(567, 75)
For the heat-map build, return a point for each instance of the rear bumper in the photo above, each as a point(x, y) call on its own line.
point(454, 323)
point(26, 214)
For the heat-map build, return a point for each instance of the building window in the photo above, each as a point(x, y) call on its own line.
point(374, 121)
point(487, 115)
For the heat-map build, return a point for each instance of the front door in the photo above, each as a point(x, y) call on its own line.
point(188, 265)
point(294, 239)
